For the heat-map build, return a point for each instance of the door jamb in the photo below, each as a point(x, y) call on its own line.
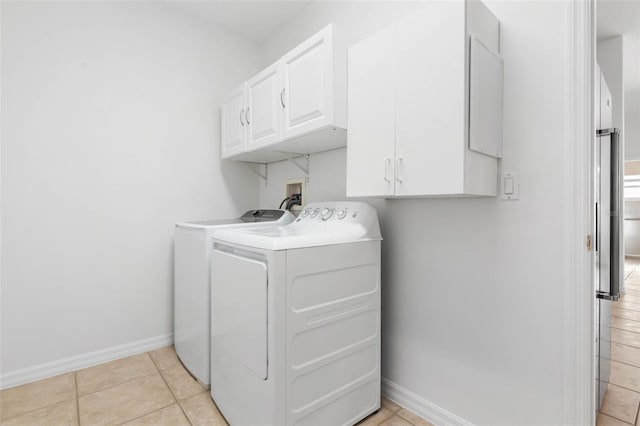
point(580, 407)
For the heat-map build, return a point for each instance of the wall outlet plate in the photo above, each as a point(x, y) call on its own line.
point(509, 186)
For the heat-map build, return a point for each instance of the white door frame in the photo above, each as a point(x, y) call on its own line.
point(580, 407)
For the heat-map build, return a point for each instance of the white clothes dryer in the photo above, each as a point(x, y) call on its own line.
point(192, 294)
point(295, 333)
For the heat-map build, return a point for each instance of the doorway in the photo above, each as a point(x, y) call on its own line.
point(616, 266)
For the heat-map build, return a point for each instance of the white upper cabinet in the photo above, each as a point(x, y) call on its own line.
point(430, 101)
point(263, 108)
point(370, 161)
point(233, 124)
point(409, 106)
point(298, 105)
point(309, 77)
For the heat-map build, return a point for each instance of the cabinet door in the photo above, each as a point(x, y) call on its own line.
point(263, 108)
point(307, 85)
point(233, 124)
point(430, 115)
point(371, 116)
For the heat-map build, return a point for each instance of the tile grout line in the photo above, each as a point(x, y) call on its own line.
point(168, 387)
point(390, 417)
point(629, 346)
point(30, 411)
point(175, 397)
point(623, 387)
point(39, 408)
point(623, 298)
point(628, 309)
point(635, 420)
point(625, 363)
point(619, 317)
point(75, 387)
point(129, 381)
point(614, 418)
point(622, 307)
point(117, 384)
point(617, 418)
point(216, 405)
point(146, 414)
point(624, 329)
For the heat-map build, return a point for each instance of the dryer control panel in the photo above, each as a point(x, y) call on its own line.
point(344, 212)
point(326, 213)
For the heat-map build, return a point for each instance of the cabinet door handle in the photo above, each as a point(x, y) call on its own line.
point(398, 162)
point(246, 115)
point(241, 120)
point(387, 163)
point(282, 98)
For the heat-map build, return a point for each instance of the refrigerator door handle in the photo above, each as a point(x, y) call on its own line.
point(597, 239)
point(615, 218)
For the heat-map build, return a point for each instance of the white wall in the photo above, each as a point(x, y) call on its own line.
point(110, 134)
point(472, 288)
point(632, 98)
point(609, 54)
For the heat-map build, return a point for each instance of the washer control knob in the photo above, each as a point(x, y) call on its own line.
point(314, 212)
point(326, 213)
point(304, 213)
point(341, 213)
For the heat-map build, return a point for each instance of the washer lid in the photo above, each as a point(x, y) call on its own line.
point(253, 217)
point(319, 224)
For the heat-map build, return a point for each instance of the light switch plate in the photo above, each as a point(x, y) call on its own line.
point(509, 186)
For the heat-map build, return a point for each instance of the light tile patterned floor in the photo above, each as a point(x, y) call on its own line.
point(154, 388)
point(147, 389)
point(622, 400)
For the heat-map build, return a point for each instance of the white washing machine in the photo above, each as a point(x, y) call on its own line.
point(192, 295)
point(295, 333)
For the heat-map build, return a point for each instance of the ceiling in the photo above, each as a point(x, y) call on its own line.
point(255, 20)
point(617, 17)
point(259, 19)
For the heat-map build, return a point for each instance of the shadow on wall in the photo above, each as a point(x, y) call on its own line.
point(235, 179)
point(631, 123)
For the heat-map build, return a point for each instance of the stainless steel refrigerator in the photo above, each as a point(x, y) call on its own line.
point(609, 265)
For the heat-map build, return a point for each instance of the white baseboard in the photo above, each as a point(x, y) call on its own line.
point(425, 409)
point(77, 362)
